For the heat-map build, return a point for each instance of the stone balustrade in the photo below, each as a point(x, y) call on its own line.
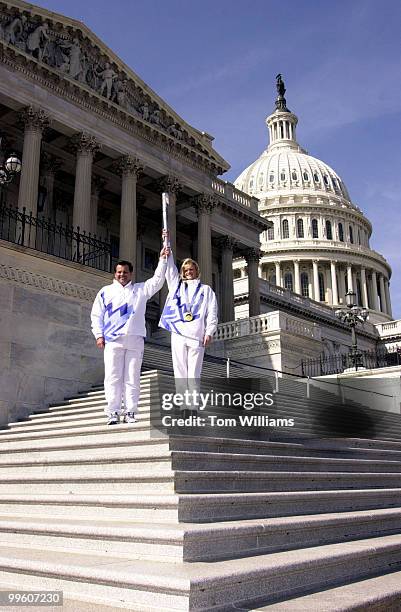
point(284, 245)
point(223, 188)
point(268, 322)
point(393, 328)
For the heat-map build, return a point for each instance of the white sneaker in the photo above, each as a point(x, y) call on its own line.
point(129, 417)
point(113, 419)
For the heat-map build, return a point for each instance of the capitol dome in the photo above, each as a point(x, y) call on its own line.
point(318, 242)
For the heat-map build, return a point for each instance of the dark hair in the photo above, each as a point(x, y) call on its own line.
point(124, 263)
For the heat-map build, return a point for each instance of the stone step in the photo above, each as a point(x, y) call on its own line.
point(145, 465)
point(148, 507)
point(345, 448)
point(75, 485)
point(83, 430)
point(188, 542)
point(212, 481)
point(194, 460)
point(211, 507)
point(378, 594)
point(199, 586)
point(105, 436)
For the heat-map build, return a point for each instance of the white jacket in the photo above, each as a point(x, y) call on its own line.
point(120, 311)
point(186, 296)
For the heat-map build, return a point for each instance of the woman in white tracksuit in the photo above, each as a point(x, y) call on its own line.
point(190, 314)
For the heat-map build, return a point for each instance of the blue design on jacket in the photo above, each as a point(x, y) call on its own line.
point(115, 319)
point(175, 309)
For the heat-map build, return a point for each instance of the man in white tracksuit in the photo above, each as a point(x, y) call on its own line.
point(190, 314)
point(118, 324)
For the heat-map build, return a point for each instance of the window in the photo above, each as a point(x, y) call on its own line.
point(304, 284)
point(288, 281)
point(340, 232)
point(351, 235)
point(271, 177)
point(237, 273)
point(300, 228)
point(282, 175)
point(315, 229)
point(329, 232)
point(294, 176)
point(358, 292)
point(261, 179)
point(150, 259)
point(272, 279)
point(306, 176)
point(326, 179)
point(316, 177)
point(359, 237)
point(270, 233)
point(285, 229)
point(321, 288)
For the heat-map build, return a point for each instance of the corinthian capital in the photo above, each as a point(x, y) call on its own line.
point(169, 184)
point(84, 143)
point(34, 118)
point(226, 243)
point(252, 255)
point(128, 165)
point(204, 204)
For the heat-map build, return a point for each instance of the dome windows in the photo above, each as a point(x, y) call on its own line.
point(326, 179)
point(316, 177)
point(261, 179)
point(351, 235)
point(271, 177)
point(300, 228)
point(329, 231)
point(285, 231)
point(306, 176)
point(288, 281)
point(282, 176)
point(315, 229)
point(294, 175)
point(340, 232)
point(304, 284)
point(270, 233)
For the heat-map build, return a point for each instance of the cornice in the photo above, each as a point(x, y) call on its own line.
point(46, 283)
point(170, 133)
point(243, 213)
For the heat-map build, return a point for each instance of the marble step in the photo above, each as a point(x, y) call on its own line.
point(150, 507)
point(213, 481)
point(211, 507)
point(199, 586)
point(378, 594)
point(190, 542)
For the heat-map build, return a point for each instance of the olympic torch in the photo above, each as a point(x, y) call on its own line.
point(165, 203)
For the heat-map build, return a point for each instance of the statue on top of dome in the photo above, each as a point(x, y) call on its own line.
point(281, 102)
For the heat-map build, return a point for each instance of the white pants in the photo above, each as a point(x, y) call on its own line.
point(122, 373)
point(187, 355)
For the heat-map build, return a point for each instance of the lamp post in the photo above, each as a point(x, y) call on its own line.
point(352, 316)
point(10, 168)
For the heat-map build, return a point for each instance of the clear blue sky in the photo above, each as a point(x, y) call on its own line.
point(214, 62)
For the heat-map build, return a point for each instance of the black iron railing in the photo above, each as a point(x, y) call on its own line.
point(335, 364)
point(46, 236)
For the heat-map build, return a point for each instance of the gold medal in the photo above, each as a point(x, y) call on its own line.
point(188, 316)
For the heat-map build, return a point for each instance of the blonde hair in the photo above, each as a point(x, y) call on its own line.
point(189, 262)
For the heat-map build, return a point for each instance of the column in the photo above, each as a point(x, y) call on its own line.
point(279, 281)
point(349, 278)
point(365, 300)
point(252, 257)
point(85, 146)
point(388, 299)
point(316, 292)
point(227, 245)
point(205, 206)
point(342, 288)
point(35, 122)
point(50, 165)
point(129, 168)
point(375, 301)
point(383, 304)
point(328, 285)
point(97, 186)
point(334, 289)
point(297, 277)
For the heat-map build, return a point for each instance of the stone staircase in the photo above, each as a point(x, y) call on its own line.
point(128, 518)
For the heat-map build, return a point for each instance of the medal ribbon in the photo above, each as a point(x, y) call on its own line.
point(189, 307)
